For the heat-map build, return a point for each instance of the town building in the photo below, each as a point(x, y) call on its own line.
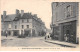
point(65, 22)
point(22, 23)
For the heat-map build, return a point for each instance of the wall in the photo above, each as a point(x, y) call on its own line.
point(38, 27)
point(59, 12)
point(59, 17)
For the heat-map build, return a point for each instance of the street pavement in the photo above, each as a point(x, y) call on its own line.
point(25, 42)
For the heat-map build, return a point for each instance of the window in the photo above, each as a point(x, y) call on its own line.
point(22, 26)
point(22, 21)
point(69, 10)
point(9, 26)
point(15, 27)
point(27, 26)
point(27, 20)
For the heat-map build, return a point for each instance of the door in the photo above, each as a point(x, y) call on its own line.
point(15, 32)
point(27, 33)
point(9, 32)
point(66, 32)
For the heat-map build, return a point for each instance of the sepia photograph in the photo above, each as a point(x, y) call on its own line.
point(40, 23)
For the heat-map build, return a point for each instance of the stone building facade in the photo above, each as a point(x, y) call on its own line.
point(22, 24)
point(65, 21)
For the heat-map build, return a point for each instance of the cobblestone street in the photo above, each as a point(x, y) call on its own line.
point(25, 42)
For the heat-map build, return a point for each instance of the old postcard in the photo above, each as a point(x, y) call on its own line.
point(30, 25)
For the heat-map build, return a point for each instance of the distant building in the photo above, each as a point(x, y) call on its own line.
point(65, 21)
point(22, 24)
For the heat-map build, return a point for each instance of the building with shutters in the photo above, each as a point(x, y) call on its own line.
point(22, 24)
point(65, 22)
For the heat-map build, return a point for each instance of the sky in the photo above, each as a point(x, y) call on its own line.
point(40, 7)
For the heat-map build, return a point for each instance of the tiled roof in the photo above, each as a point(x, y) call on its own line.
point(26, 15)
point(10, 17)
point(17, 18)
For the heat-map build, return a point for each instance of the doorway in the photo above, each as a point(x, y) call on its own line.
point(27, 33)
point(15, 33)
point(69, 33)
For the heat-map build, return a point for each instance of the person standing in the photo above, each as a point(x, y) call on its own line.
point(45, 37)
point(65, 37)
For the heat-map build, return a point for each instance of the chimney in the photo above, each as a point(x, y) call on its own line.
point(4, 14)
point(22, 12)
point(17, 13)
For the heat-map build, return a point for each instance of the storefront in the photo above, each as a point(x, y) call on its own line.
point(69, 31)
point(15, 32)
point(65, 32)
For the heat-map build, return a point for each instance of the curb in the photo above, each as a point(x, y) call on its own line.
point(63, 45)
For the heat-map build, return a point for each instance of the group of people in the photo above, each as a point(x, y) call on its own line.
point(66, 37)
point(47, 35)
